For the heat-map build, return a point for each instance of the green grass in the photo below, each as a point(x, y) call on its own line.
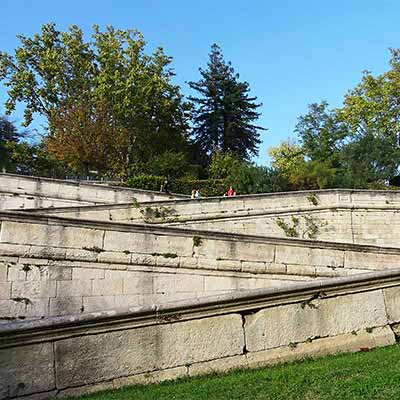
point(367, 375)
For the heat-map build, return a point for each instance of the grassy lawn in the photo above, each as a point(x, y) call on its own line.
point(367, 375)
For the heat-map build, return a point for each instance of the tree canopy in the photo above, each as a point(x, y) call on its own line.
point(224, 112)
point(117, 92)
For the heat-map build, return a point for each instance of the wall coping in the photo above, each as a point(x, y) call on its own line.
point(23, 217)
point(244, 302)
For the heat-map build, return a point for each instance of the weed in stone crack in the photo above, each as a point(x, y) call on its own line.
point(313, 199)
point(197, 241)
point(24, 300)
point(94, 249)
point(26, 268)
point(369, 329)
point(165, 255)
point(292, 345)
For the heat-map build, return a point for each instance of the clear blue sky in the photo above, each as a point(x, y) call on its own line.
point(291, 52)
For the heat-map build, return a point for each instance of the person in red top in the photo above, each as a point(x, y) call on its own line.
point(230, 192)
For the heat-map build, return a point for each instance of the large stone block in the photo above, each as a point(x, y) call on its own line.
point(98, 303)
point(33, 289)
point(327, 257)
point(374, 261)
point(87, 273)
point(50, 235)
point(74, 288)
point(279, 326)
point(293, 255)
point(107, 287)
point(3, 271)
point(26, 369)
point(66, 306)
point(5, 290)
point(112, 355)
point(347, 342)
point(392, 301)
point(189, 283)
point(138, 283)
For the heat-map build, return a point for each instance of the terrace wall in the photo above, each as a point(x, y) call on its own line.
point(20, 192)
point(55, 266)
point(69, 356)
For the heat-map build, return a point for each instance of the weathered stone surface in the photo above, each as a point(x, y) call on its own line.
point(66, 305)
point(96, 358)
point(98, 303)
point(279, 326)
point(87, 273)
point(3, 272)
point(254, 267)
point(74, 288)
point(392, 301)
point(5, 290)
point(33, 289)
point(138, 283)
point(293, 255)
point(83, 390)
point(189, 283)
point(222, 365)
point(107, 287)
point(374, 261)
point(50, 235)
point(327, 257)
point(321, 347)
point(26, 369)
point(152, 377)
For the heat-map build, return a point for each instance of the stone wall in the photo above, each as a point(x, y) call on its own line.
point(18, 191)
point(69, 356)
point(360, 217)
point(54, 266)
point(39, 288)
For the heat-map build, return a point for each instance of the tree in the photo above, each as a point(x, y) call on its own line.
point(9, 135)
point(372, 110)
point(289, 160)
point(224, 112)
point(57, 74)
point(321, 134)
point(286, 157)
point(82, 135)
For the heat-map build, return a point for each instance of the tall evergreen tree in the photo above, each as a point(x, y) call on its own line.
point(224, 112)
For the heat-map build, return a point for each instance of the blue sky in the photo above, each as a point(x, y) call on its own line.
point(292, 52)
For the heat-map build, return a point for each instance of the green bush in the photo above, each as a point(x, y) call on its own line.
point(208, 187)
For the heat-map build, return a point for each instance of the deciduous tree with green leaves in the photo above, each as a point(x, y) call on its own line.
point(54, 73)
point(372, 111)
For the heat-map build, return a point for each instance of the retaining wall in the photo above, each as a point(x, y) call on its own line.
point(362, 217)
point(79, 354)
point(53, 265)
point(18, 191)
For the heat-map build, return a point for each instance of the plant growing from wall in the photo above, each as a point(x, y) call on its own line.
point(197, 241)
point(135, 203)
point(313, 199)
point(290, 229)
point(311, 226)
point(150, 214)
